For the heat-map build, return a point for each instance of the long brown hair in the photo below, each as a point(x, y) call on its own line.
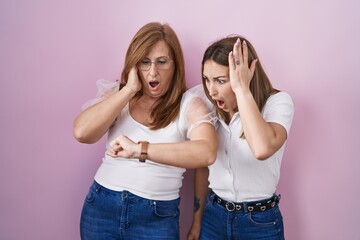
point(260, 86)
point(166, 109)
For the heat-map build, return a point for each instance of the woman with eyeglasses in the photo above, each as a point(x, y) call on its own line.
point(155, 130)
point(236, 196)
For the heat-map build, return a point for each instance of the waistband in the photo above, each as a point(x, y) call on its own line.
point(97, 187)
point(255, 206)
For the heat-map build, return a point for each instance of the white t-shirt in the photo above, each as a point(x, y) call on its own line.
point(236, 174)
point(149, 180)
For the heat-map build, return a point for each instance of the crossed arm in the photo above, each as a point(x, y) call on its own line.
point(199, 151)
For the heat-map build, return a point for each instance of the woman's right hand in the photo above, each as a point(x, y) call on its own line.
point(134, 83)
point(194, 233)
point(124, 147)
point(241, 73)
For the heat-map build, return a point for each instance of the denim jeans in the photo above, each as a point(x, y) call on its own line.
point(110, 215)
point(218, 223)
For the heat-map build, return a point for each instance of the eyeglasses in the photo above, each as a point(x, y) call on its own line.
point(161, 63)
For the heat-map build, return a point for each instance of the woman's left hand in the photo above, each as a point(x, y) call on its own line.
point(124, 147)
point(240, 73)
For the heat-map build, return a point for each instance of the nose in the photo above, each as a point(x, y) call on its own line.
point(212, 89)
point(153, 69)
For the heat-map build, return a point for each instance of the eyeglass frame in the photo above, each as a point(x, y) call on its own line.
point(156, 62)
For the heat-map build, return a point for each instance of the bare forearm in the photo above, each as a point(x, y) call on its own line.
point(187, 154)
point(93, 123)
point(260, 135)
point(199, 151)
point(201, 191)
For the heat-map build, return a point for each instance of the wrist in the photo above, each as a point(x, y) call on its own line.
point(129, 90)
point(143, 150)
point(240, 92)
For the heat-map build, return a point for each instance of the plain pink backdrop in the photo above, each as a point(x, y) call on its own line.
point(52, 52)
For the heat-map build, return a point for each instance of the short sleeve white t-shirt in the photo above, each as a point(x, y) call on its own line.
point(236, 174)
point(149, 180)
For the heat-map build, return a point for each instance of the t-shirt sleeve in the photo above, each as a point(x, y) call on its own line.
point(105, 89)
point(279, 108)
point(195, 109)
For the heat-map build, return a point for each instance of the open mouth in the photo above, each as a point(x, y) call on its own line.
point(154, 84)
point(220, 104)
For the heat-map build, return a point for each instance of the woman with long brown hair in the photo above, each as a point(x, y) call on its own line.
point(156, 129)
point(236, 196)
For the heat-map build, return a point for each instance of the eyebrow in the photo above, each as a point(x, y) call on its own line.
point(220, 77)
point(158, 57)
point(225, 76)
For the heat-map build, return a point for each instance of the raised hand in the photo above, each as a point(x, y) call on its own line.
point(240, 73)
point(134, 83)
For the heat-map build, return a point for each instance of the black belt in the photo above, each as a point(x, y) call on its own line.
point(257, 206)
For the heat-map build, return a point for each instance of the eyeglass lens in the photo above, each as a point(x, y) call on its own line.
point(161, 63)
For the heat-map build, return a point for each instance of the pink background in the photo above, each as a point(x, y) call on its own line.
point(52, 52)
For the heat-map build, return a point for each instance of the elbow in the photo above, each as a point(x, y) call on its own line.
point(206, 160)
point(212, 157)
point(262, 152)
point(261, 156)
point(81, 136)
point(205, 155)
point(211, 154)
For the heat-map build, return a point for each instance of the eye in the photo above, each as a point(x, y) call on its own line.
point(145, 61)
point(220, 81)
point(161, 61)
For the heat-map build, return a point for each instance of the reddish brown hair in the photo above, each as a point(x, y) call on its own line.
point(167, 108)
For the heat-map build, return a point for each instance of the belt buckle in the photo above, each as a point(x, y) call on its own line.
point(230, 206)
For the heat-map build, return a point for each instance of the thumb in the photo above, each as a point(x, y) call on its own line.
point(253, 65)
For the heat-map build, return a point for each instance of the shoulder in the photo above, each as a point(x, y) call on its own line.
point(279, 108)
point(280, 97)
point(105, 89)
point(196, 96)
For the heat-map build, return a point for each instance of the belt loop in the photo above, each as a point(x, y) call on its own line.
point(212, 197)
point(124, 195)
point(97, 187)
point(245, 208)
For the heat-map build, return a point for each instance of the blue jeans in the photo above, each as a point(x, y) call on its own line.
point(218, 223)
point(110, 215)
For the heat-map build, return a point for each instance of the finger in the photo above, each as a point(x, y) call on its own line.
point(253, 66)
point(237, 52)
point(240, 50)
point(113, 142)
point(245, 53)
point(231, 61)
point(117, 148)
point(114, 145)
point(111, 153)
